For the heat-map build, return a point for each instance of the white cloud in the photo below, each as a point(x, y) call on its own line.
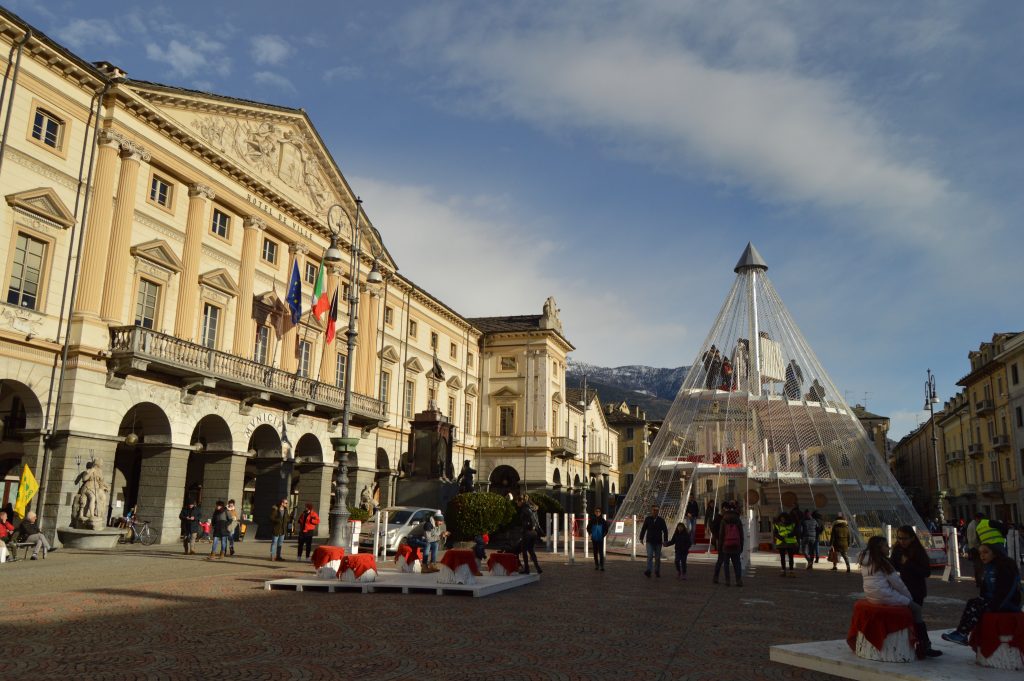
point(275, 80)
point(343, 72)
point(269, 49)
point(188, 59)
point(87, 32)
point(479, 256)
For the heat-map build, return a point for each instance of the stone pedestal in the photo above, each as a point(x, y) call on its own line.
point(426, 493)
point(88, 539)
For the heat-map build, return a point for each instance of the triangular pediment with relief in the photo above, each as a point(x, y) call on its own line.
point(158, 252)
point(471, 390)
point(43, 203)
point(455, 383)
point(505, 392)
point(414, 365)
point(220, 280)
point(389, 354)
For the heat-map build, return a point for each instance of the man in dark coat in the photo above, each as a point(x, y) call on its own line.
point(189, 518)
point(655, 532)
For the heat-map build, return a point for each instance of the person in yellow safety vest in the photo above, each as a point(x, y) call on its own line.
point(784, 532)
point(991, 532)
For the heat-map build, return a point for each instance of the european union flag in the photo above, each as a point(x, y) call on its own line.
point(295, 294)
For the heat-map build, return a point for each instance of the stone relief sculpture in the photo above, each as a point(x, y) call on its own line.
point(88, 510)
point(549, 317)
point(272, 151)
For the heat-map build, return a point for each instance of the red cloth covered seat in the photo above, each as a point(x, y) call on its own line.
point(509, 561)
point(878, 621)
point(322, 555)
point(408, 553)
point(358, 563)
point(453, 558)
point(985, 637)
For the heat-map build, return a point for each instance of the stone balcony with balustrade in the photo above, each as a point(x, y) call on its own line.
point(193, 367)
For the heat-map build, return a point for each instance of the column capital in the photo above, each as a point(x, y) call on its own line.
point(254, 222)
point(109, 138)
point(133, 151)
point(201, 190)
point(335, 270)
point(298, 248)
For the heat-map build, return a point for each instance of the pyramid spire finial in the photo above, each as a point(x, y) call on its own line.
point(750, 259)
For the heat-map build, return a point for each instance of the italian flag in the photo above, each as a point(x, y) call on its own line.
point(319, 302)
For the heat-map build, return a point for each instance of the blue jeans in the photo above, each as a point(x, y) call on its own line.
point(810, 549)
point(222, 542)
point(654, 557)
point(276, 544)
point(432, 552)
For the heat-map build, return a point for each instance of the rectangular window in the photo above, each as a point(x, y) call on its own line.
point(47, 128)
point(1020, 417)
point(146, 304)
point(629, 455)
point(221, 224)
point(407, 404)
point(385, 388)
point(270, 251)
point(554, 423)
point(305, 352)
point(211, 320)
point(453, 351)
point(629, 481)
point(262, 350)
point(469, 419)
point(160, 191)
point(508, 364)
point(340, 365)
point(629, 433)
point(470, 359)
point(412, 328)
point(433, 340)
point(26, 272)
point(311, 271)
point(389, 315)
point(1014, 376)
point(451, 408)
point(506, 420)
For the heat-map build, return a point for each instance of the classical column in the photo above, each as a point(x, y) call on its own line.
point(223, 478)
point(118, 255)
point(97, 230)
point(289, 349)
point(315, 488)
point(366, 349)
point(199, 197)
point(162, 489)
point(243, 341)
point(328, 367)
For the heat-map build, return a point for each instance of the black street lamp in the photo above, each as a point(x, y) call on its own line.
point(930, 400)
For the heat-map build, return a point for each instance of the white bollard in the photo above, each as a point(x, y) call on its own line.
point(565, 530)
point(586, 544)
point(887, 533)
point(376, 536)
point(383, 529)
point(633, 543)
point(554, 533)
point(952, 572)
point(572, 541)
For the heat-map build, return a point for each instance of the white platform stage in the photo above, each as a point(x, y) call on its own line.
point(836, 658)
point(406, 583)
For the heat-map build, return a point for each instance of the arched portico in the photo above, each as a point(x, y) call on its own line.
point(312, 480)
point(19, 436)
point(505, 479)
point(266, 479)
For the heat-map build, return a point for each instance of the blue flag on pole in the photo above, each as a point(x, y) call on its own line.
point(295, 294)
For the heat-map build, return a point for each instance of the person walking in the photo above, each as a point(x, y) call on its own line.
point(810, 536)
point(189, 518)
point(730, 544)
point(784, 533)
point(531, 531)
point(655, 532)
point(308, 522)
point(434, 534)
point(597, 528)
point(220, 521)
point(232, 526)
point(682, 541)
point(278, 528)
point(883, 585)
point(839, 540)
point(999, 584)
point(911, 561)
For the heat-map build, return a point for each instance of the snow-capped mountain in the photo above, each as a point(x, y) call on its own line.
point(652, 388)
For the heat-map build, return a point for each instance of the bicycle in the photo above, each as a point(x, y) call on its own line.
point(140, 530)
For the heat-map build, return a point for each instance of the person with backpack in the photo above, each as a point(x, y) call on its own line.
point(597, 528)
point(308, 522)
point(811, 528)
point(531, 532)
point(729, 545)
point(682, 540)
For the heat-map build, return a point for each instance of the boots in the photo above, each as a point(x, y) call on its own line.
point(924, 644)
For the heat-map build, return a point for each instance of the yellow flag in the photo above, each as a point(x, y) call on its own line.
point(27, 489)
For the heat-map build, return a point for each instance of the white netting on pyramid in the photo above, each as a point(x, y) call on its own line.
point(758, 420)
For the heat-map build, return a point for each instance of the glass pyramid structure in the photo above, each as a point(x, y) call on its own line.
point(758, 421)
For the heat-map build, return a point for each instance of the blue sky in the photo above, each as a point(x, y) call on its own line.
point(619, 156)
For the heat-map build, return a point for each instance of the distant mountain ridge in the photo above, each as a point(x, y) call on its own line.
point(652, 388)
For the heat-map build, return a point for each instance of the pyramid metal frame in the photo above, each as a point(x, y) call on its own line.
point(758, 421)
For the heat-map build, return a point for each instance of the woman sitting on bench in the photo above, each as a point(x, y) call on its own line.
point(999, 583)
point(883, 585)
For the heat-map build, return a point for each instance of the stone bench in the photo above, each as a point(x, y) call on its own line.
point(998, 640)
point(884, 633)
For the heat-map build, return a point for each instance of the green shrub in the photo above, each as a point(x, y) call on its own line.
point(358, 513)
point(545, 503)
point(476, 513)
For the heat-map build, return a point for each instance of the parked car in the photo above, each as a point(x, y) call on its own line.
point(937, 551)
point(401, 521)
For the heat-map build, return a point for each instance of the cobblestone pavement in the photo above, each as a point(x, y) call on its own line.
point(152, 613)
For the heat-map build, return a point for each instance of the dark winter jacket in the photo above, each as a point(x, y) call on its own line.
point(594, 522)
point(1000, 584)
point(654, 530)
point(189, 518)
point(681, 540)
point(220, 521)
point(840, 536)
point(728, 518)
point(914, 572)
point(278, 520)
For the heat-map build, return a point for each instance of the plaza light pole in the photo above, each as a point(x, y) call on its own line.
point(345, 445)
point(586, 478)
point(930, 400)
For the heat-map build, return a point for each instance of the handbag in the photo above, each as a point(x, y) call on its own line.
point(832, 556)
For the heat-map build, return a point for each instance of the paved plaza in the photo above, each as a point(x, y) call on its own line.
point(152, 613)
